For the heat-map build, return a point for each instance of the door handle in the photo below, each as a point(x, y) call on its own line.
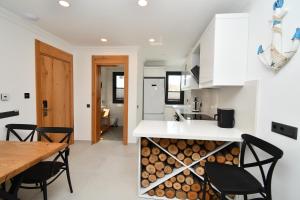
point(45, 108)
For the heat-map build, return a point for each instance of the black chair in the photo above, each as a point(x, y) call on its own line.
point(12, 129)
point(46, 172)
point(230, 179)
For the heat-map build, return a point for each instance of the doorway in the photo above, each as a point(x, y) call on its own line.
point(54, 88)
point(100, 111)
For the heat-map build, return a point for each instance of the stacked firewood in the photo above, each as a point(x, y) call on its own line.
point(156, 164)
point(183, 186)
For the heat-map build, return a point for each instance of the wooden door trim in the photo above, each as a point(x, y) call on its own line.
point(42, 48)
point(109, 60)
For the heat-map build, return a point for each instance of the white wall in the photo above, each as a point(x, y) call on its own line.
point(280, 94)
point(83, 87)
point(116, 109)
point(17, 68)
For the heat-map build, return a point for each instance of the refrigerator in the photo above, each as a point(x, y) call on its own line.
point(154, 98)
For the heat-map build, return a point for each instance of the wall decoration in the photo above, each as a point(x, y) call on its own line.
point(274, 57)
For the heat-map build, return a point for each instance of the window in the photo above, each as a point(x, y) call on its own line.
point(174, 95)
point(118, 87)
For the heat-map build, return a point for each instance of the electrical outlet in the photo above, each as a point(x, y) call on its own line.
point(4, 97)
point(286, 130)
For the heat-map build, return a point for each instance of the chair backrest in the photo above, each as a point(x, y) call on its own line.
point(275, 153)
point(65, 131)
point(12, 129)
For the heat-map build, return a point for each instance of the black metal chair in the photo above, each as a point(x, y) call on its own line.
point(230, 179)
point(12, 129)
point(46, 172)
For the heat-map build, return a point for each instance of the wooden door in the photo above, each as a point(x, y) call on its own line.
point(54, 91)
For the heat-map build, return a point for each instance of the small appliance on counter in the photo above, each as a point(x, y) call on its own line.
point(225, 118)
point(196, 105)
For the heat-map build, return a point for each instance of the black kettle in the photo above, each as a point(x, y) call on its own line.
point(225, 118)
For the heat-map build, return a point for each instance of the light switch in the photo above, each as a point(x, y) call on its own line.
point(4, 97)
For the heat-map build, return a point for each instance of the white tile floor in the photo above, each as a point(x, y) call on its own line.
point(105, 171)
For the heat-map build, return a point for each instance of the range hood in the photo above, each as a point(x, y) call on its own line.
point(190, 79)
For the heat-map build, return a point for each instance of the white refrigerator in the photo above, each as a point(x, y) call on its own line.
point(154, 98)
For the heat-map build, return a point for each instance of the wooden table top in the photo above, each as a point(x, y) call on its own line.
point(16, 157)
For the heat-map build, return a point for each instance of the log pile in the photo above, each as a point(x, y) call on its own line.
point(156, 164)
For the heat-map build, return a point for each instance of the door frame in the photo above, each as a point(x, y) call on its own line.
point(42, 48)
point(108, 60)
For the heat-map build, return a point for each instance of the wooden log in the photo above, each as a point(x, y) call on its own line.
point(196, 156)
point(159, 166)
point(187, 161)
point(177, 164)
point(180, 178)
point(190, 142)
point(236, 161)
point(173, 141)
point(235, 151)
point(221, 159)
point(189, 180)
point(173, 179)
point(152, 178)
point(161, 186)
point(150, 169)
point(168, 169)
point(181, 194)
point(186, 172)
point(181, 144)
point(192, 195)
point(145, 175)
point(160, 174)
point(171, 160)
point(203, 152)
point(210, 145)
point(180, 156)
point(173, 149)
point(200, 142)
point(211, 158)
point(153, 158)
point(156, 140)
point(207, 196)
point(170, 193)
point(164, 143)
point(211, 192)
point(144, 142)
point(196, 187)
point(196, 148)
point(228, 163)
point(219, 143)
point(145, 183)
point(228, 156)
point(202, 163)
point(168, 183)
point(177, 186)
point(162, 157)
point(151, 192)
point(145, 161)
point(146, 151)
point(186, 187)
point(155, 150)
point(188, 152)
point(200, 171)
point(159, 192)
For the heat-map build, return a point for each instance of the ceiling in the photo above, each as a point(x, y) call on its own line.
point(176, 24)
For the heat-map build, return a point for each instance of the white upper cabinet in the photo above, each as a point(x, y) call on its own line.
point(223, 51)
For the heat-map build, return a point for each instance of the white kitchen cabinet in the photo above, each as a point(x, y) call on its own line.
point(223, 51)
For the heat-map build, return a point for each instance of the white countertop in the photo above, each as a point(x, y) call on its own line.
point(189, 129)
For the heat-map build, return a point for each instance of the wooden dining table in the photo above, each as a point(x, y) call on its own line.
point(16, 157)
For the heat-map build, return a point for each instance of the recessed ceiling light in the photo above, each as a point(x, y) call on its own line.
point(143, 3)
point(64, 3)
point(151, 40)
point(104, 40)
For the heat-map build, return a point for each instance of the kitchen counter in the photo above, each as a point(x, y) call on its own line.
point(188, 129)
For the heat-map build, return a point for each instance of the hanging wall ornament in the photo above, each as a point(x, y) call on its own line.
point(274, 57)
